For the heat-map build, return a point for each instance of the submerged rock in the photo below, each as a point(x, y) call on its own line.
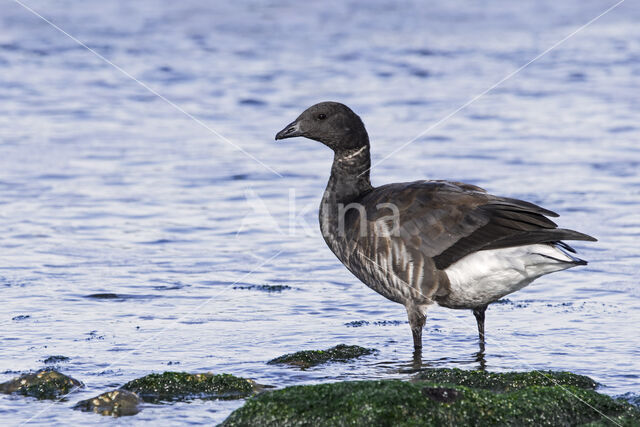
point(356, 323)
point(103, 296)
point(55, 359)
point(507, 381)
point(170, 386)
point(115, 403)
point(359, 323)
point(390, 322)
point(404, 403)
point(308, 358)
point(264, 288)
point(44, 384)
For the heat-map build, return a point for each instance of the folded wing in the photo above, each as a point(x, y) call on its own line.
point(446, 221)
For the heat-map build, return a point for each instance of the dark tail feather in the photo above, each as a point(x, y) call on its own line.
point(539, 236)
point(575, 235)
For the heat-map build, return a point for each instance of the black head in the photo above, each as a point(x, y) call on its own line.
point(331, 123)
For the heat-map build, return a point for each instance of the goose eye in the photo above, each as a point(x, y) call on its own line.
point(322, 116)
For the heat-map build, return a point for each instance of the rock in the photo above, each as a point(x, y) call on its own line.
point(116, 403)
point(359, 323)
point(103, 296)
point(390, 322)
point(171, 386)
point(264, 288)
point(356, 323)
point(410, 403)
point(308, 358)
point(55, 359)
point(44, 384)
point(508, 381)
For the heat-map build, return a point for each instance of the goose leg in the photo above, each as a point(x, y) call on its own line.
point(479, 314)
point(416, 364)
point(416, 321)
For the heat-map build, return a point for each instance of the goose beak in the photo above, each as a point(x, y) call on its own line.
point(291, 130)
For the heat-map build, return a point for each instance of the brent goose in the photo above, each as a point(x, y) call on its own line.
point(424, 242)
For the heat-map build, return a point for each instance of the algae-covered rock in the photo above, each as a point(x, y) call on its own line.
point(633, 398)
point(45, 384)
point(403, 403)
point(170, 386)
point(308, 358)
point(115, 403)
point(508, 381)
point(55, 359)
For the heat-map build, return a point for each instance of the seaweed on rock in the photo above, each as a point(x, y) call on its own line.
point(170, 386)
point(309, 358)
point(44, 384)
point(393, 402)
point(507, 381)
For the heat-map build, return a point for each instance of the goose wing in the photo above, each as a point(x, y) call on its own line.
point(446, 221)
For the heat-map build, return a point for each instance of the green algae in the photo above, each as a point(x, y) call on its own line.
point(508, 381)
point(402, 403)
point(309, 358)
point(116, 403)
point(171, 386)
point(44, 384)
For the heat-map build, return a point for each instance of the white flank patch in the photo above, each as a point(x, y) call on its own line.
point(486, 276)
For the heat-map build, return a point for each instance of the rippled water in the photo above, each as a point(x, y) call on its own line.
point(107, 188)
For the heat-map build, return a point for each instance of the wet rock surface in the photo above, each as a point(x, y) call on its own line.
point(172, 386)
point(493, 399)
point(115, 403)
point(55, 359)
point(309, 358)
point(44, 384)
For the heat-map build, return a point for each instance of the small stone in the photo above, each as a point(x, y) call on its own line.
point(55, 359)
point(116, 403)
